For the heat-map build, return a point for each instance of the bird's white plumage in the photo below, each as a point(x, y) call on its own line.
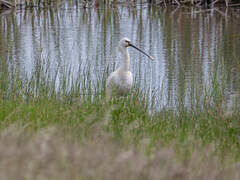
point(120, 81)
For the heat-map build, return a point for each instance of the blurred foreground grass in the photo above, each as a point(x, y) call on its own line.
point(49, 155)
point(59, 138)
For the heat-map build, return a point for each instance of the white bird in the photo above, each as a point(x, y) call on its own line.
point(120, 81)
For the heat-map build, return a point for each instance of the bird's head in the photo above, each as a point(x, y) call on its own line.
point(125, 42)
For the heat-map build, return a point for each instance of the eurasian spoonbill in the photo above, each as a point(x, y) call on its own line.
point(120, 81)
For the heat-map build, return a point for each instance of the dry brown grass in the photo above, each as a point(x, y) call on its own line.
point(49, 155)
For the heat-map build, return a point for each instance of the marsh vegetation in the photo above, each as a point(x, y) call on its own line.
point(180, 121)
point(209, 4)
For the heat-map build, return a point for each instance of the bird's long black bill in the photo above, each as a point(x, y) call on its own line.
point(141, 51)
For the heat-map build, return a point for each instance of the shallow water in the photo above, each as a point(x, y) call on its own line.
point(190, 48)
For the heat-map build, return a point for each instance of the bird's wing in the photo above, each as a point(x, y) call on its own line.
point(110, 80)
point(110, 84)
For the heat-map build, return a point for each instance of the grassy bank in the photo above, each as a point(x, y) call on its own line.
point(47, 155)
point(47, 137)
point(62, 132)
point(129, 122)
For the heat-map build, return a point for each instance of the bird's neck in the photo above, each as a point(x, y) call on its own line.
point(126, 60)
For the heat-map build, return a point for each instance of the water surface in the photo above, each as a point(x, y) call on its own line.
point(68, 43)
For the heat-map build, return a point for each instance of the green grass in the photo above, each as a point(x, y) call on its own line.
point(128, 119)
point(80, 114)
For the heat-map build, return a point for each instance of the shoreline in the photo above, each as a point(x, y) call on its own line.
point(206, 4)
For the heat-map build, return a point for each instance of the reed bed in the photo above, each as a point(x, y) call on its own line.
point(63, 128)
point(9, 4)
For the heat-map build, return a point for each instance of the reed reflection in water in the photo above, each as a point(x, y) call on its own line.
point(193, 51)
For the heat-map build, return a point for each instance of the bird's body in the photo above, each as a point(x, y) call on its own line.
point(120, 81)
